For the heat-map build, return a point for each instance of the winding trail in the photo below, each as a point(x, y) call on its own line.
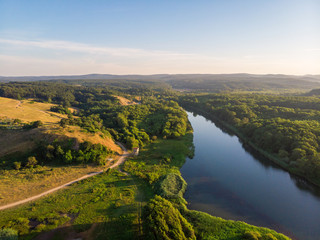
point(122, 159)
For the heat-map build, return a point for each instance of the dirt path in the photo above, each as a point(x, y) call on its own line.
point(121, 160)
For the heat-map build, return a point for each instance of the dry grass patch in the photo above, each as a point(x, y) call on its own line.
point(80, 135)
point(28, 111)
point(17, 140)
point(124, 101)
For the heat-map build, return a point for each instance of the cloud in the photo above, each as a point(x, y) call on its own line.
point(47, 57)
point(90, 49)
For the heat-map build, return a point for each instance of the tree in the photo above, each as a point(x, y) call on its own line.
point(17, 165)
point(36, 124)
point(32, 161)
point(59, 152)
point(68, 156)
point(63, 122)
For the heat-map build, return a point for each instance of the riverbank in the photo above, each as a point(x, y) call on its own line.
point(159, 164)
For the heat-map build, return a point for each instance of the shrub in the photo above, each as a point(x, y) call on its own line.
point(269, 236)
point(171, 186)
point(8, 234)
point(164, 221)
point(32, 161)
point(17, 165)
point(251, 235)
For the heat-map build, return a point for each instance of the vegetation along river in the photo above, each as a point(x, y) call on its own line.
point(227, 181)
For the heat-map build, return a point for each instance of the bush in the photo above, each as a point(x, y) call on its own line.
point(164, 221)
point(8, 234)
point(252, 235)
point(269, 236)
point(32, 161)
point(17, 165)
point(171, 186)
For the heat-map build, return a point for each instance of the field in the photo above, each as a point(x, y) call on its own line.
point(124, 101)
point(16, 185)
point(28, 111)
point(107, 206)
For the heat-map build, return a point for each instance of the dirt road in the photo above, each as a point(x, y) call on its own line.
point(121, 160)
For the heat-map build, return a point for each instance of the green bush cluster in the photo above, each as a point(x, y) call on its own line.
point(164, 221)
point(63, 153)
point(8, 234)
point(171, 186)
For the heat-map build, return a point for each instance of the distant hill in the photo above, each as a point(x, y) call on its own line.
point(313, 92)
point(192, 82)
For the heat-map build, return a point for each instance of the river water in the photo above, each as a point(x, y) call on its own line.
point(227, 181)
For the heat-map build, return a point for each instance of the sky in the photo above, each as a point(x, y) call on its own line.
point(73, 37)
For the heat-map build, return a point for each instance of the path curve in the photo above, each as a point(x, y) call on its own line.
point(121, 160)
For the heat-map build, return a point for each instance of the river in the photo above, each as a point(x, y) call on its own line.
point(227, 181)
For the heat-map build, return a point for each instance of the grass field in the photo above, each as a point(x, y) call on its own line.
point(28, 111)
point(107, 206)
point(160, 158)
point(124, 101)
point(16, 185)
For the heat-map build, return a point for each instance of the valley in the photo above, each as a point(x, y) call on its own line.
point(73, 148)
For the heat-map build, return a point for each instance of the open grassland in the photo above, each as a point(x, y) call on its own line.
point(17, 141)
point(124, 101)
point(160, 158)
point(17, 185)
point(28, 111)
point(107, 206)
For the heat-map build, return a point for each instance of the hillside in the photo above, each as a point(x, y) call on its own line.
point(18, 143)
point(28, 111)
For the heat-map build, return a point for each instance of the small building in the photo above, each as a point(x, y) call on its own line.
point(135, 151)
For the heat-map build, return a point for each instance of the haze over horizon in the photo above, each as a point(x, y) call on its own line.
point(39, 38)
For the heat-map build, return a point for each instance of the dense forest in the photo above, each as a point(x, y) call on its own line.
point(284, 128)
point(188, 82)
point(153, 116)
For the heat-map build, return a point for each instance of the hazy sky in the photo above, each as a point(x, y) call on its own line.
point(146, 37)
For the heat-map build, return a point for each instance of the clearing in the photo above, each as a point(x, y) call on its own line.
point(28, 111)
point(125, 101)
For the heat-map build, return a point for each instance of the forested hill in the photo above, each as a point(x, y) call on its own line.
point(192, 82)
point(313, 92)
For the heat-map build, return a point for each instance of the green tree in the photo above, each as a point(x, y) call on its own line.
point(31, 162)
point(17, 165)
point(68, 156)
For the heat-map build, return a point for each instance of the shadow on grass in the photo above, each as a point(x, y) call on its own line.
point(123, 227)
